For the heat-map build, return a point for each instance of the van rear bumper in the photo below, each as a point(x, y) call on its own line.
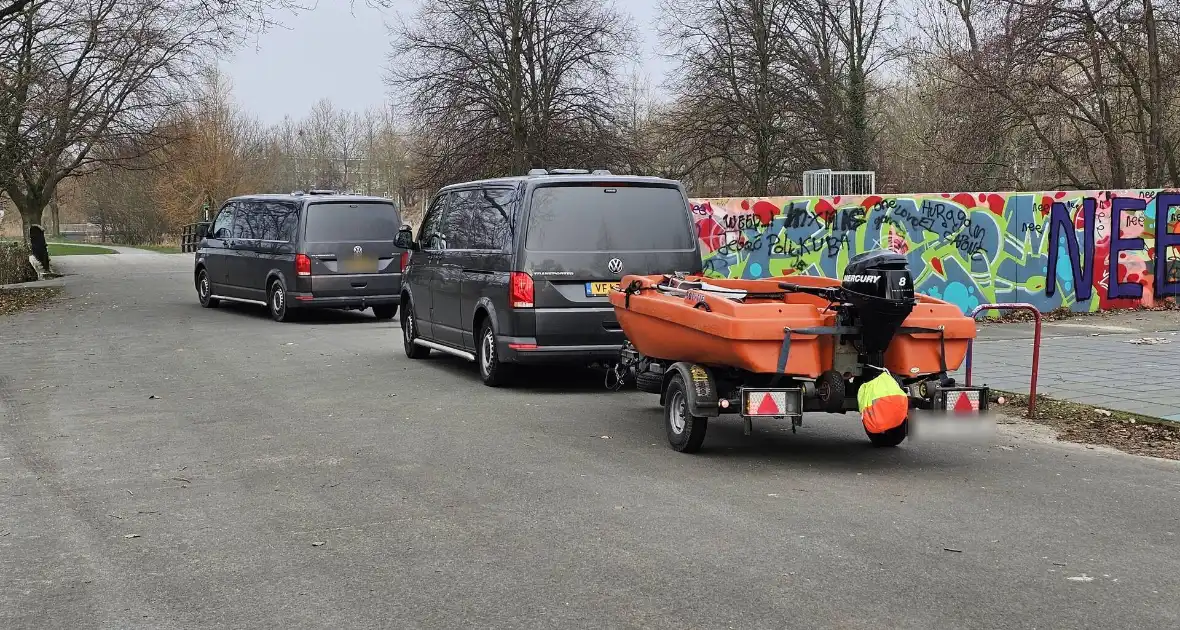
point(309, 300)
point(526, 350)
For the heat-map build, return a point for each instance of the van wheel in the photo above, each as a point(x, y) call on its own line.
point(277, 300)
point(410, 333)
point(385, 311)
point(890, 438)
point(491, 370)
point(686, 432)
point(205, 290)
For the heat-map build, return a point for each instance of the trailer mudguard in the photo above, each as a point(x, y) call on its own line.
point(701, 387)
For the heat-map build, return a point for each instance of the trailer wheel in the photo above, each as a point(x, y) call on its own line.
point(830, 389)
point(686, 432)
point(890, 438)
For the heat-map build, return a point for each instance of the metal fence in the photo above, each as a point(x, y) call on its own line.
point(829, 183)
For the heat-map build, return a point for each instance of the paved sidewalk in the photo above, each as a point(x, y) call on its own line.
point(1090, 360)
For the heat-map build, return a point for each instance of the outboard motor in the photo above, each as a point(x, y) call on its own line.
point(880, 289)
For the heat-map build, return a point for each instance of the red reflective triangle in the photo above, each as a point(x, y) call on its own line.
point(964, 403)
point(768, 406)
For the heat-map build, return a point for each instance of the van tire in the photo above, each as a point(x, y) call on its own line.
point(492, 371)
point(385, 312)
point(205, 290)
point(276, 302)
point(649, 382)
point(410, 333)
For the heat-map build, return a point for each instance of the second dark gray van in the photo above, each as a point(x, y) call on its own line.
point(302, 251)
point(518, 269)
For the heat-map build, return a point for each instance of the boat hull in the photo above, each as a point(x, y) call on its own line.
point(710, 329)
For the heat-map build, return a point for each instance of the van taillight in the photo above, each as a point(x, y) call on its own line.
point(302, 265)
point(405, 261)
point(521, 290)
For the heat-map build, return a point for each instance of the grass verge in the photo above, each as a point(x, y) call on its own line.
point(59, 249)
point(24, 299)
point(162, 249)
point(1086, 424)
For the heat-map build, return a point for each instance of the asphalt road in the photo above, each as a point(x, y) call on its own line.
point(166, 466)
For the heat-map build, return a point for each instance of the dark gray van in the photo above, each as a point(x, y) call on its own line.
point(518, 270)
point(301, 251)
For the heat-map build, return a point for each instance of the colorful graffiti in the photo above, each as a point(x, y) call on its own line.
point(1051, 249)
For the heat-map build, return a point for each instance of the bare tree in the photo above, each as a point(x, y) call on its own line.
point(219, 152)
point(775, 86)
point(496, 86)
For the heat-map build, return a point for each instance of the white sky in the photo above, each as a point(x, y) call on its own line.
point(340, 52)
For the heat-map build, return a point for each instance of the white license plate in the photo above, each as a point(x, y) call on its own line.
point(359, 264)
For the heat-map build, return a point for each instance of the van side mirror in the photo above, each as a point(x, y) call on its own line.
point(405, 239)
point(202, 230)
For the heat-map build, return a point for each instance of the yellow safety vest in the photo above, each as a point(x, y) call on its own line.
point(883, 404)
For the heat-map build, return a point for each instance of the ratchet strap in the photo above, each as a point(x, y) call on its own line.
point(633, 288)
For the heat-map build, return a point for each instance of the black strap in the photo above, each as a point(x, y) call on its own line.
point(829, 330)
point(784, 353)
point(632, 289)
point(907, 330)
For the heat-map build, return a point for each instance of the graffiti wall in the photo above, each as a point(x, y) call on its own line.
point(1082, 250)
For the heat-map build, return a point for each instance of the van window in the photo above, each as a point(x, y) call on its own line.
point(481, 219)
point(266, 221)
point(223, 225)
point(608, 218)
point(351, 221)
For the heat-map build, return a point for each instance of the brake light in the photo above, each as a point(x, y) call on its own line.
point(405, 261)
point(302, 265)
point(521, 290)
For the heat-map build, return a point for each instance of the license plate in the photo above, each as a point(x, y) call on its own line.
point(359, 264)
point(772, 403)
point(598, 289)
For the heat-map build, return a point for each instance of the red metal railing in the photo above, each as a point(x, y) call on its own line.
point(1036, 356)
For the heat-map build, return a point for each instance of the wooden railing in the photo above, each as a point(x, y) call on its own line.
point(189, 239)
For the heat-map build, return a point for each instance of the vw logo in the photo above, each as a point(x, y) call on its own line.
point(357, 250)
point(614, 266)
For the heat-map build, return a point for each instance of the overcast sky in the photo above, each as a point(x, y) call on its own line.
point(340, 53)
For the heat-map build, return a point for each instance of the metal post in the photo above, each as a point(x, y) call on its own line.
point(1036, 356)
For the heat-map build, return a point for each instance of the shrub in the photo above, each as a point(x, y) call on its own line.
point(14, 263)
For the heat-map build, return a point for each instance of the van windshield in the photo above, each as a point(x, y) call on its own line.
point(351, 221)
point(606, 218)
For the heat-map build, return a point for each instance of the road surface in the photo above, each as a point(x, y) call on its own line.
point(167, 466)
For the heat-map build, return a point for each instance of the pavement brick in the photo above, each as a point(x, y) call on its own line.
point(1081, 365)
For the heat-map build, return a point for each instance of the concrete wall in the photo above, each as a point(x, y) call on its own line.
point(1052, 249)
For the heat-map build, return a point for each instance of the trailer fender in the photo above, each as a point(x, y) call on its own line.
point(702, 388)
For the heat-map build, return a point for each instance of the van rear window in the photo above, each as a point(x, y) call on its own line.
point(606, 218)
point(344, 221)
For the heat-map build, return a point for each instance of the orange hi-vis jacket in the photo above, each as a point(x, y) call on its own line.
point(883, 404)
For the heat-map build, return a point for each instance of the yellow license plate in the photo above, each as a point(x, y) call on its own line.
point(598, 289)
point(359, 264)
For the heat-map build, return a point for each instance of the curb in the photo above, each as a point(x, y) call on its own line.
point(36, 284)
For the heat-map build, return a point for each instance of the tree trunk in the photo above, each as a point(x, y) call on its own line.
point(55, 215)
point(28, 218)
